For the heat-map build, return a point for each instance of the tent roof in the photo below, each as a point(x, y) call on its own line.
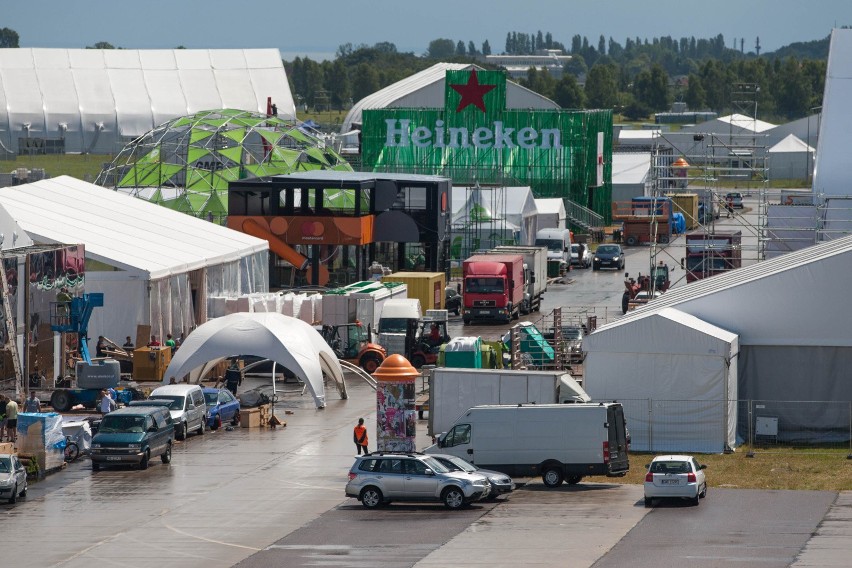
point(799, 298)
point(426, 90)
point(122, 231)
point(639, 134)
point(833, 167)
point(511, 203)
point(630, 167)
point(791, 143)
point(550, 205)
point(683, 333)
point(746, 122)
point(286, 340)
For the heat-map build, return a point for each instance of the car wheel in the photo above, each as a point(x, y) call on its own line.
point(236, 420)
point(456, 311)
point(60, 401)
point(167, 455)
point(370, 362)
point(14, 497)
point(202, 427)
point(180, 431)
point(648, 502)
point(625, 302)
point(143, 464)
point(552, 477)
point(453, 498)
point(217, 422)
point(24, 492)
point(574, 479)
point(703, 493)
point(96, 466)
point(631, 241)
point(466, 321)
point(695, 501)
point(371, 497)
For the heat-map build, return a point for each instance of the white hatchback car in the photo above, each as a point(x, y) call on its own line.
point(675, 477)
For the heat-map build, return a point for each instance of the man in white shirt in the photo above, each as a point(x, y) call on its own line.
point(107, 403)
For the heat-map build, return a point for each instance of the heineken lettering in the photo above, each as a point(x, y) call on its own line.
point(400, 135)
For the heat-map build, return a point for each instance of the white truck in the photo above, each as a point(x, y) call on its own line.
point(453, 391)
point(558, 243)
point(535, 273)
point(559, 442)
point(394, 321)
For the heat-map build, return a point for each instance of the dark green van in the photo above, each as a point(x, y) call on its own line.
point(132, 436)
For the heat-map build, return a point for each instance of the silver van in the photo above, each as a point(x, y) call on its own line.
point(187, 407)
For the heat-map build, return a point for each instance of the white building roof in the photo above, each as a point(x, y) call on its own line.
point(746, 123)
point(791, 143)
point(426, 90)
point(95, 98)
point(637, 134)
point(550, 205)
point(131, 234)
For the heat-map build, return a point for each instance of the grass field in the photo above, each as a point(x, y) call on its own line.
point(778, 468)
point(81, 166)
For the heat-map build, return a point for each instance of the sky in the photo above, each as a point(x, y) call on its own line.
point(316, 28)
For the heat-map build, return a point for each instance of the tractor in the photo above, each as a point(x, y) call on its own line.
point(353, 342)
point(644, 288)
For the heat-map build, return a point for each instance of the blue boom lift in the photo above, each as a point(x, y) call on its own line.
point(91, 376)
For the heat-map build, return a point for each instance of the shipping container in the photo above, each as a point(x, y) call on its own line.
point(428, 287)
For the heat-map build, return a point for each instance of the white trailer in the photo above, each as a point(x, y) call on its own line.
point(453, 391)
point(535, 273)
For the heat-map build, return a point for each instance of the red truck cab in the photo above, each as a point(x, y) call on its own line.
point(493, 287)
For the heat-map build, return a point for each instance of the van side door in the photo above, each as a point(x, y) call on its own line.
point(160, 438)
point(200, 406)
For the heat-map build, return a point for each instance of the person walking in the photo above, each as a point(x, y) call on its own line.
point(12, 420)
point(360, 437)
point(32, 404)
point(233, 378)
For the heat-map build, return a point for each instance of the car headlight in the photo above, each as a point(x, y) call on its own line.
point(615, 258)
point(597, 259)
point(6, 482)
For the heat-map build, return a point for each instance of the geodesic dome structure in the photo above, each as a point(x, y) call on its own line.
point(186, 163)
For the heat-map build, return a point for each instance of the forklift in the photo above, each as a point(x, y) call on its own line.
point(421, 345)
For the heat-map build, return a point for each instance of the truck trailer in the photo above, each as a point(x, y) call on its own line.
point(708, 254)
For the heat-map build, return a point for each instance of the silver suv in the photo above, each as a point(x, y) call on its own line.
point(381, 477)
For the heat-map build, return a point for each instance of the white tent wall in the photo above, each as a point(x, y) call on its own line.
point(676, 376)
point(126, 304)
point(833, 167)
point(98, 99)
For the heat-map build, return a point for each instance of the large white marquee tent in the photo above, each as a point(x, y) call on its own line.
point(96, 100)
point(287, 341)
point(155, 266)
point(791, 315)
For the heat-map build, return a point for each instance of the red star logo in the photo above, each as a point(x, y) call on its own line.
point(472, 93)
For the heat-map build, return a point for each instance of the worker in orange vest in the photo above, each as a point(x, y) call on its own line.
point(360, 435)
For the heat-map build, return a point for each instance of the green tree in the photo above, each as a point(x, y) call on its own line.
point(568, 93)
point(793, 91)
point(541, 82)
point(651, 89)
point(576, 66)
point(441, 49)
point(8, 38)
point(486, 48)
point(471, 48)
point(338, 85)
point(366, 81)
point(601, 87)
point(101, 45)
point(695, 96)
point(460, 50)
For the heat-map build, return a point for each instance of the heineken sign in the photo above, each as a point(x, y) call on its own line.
point(401, 133)
point(474, 138)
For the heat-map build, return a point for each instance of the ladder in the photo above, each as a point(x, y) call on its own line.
point(11, 333)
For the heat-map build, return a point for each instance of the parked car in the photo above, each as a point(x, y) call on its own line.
point(13, 478)
point(675, 476)
point(735, 198)
point(608, 256)
point(187, 405)
point(377, 479)
point(581, 255)
point(452, 300)
point(222, 407)
point(500, 482)
point(133, 435)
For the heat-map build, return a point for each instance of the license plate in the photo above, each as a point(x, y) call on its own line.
point(113, 458)
point(669, 481)
point(483, 312)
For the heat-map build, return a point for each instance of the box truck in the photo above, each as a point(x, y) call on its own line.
point(397, 315)
point(493, 287)
point(559, 442)
point(535, 273)
point(452, 391)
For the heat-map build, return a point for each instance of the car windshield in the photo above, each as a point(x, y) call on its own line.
point(459, 463)
point(112, 424)
point(551, 244)
point(5, 465)
point(670, 467)
point(211, 398)
point(607, 249)
point(435, 465)
point(175, 402)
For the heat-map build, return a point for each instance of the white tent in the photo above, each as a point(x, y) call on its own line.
point(676, 376)
point(833, 167)
point(155, 266)
point(791, 159)
point(95, 100)
point(287, 341)
point(551, 213)
point(631, 175)
point(513, 205)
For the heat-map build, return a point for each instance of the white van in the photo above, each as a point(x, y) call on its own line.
point(187, 407)
point(558, 243)
point(556, 441)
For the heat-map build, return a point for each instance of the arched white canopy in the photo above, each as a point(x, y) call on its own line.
point(288, 341)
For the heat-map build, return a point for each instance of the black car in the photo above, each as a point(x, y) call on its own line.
point(452, 300)
point(608, 256)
